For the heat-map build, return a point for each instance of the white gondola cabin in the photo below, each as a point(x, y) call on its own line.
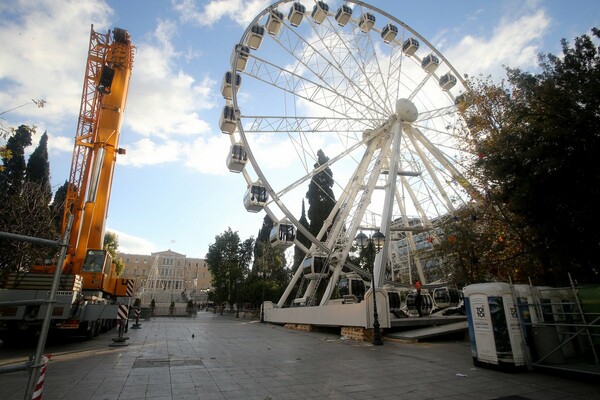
point(237, 157)
point(228, 121)
point(366, 22)
point(430, 63)
point(315, 267)
point(274, 22)
point(444, 297)
point(389, 32)
point(255, 36)
point(296, 14)
point(282, 235)
point(426, 303)
point(352, 288)
point(447, 81)
point(227, 85)
point(410, 46)
point(319, 12)
point(244, 54)
point(343, 15)
point(256, 197)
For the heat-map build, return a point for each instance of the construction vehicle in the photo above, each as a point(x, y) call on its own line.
point(89, 291)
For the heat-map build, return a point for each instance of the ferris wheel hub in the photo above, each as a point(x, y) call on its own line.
point(406, 110)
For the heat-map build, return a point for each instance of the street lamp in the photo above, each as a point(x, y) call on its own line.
point(237, 302)
point(373, 244)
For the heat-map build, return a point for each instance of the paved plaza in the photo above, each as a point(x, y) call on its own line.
point(221, 357)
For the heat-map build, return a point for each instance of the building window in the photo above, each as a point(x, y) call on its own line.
point(136, 260)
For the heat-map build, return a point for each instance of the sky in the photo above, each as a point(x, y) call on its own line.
point(172, 190)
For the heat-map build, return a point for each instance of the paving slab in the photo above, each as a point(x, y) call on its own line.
point(229, 358)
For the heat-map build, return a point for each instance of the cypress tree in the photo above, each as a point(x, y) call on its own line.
point(321, 199)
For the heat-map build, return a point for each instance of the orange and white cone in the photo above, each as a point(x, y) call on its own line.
point(37, 393)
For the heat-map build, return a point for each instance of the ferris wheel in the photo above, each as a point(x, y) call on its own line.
point(358, 94)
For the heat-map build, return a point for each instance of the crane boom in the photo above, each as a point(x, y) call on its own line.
point(106, 83)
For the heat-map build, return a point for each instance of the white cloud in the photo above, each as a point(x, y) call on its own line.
point(60, 144)
point(163, 100)
point(208, 155)
point(44, 46)
point(146, 152)
point(514, 43)
point(133, 244)
point(240, 11)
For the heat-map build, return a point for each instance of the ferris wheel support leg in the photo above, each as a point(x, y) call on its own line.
point(390, 192)
point(290, 287)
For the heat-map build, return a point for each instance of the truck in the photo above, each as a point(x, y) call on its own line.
point(90, 296)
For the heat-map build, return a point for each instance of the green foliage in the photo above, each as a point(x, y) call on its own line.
point(298, 253)
point(57, 207)
point(38, 167)
point(13, 175)
point(137, 302)
point(537, 137)
point(228, 259)
point(111, 245)
point(321, 199)
point(24, 197)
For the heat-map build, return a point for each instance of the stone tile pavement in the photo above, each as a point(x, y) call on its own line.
point(228, 358)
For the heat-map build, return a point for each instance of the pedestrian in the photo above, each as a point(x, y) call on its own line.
point(418, 299)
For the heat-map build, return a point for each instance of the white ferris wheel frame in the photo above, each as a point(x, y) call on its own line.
point(383, 144)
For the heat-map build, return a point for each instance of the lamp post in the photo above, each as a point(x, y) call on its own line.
point(373, 244)
point(237, 302)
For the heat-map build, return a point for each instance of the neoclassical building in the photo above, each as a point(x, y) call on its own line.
point(167, 276)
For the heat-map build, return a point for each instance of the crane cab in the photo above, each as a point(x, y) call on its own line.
point(410, 46)
point(243, 52)
point(227, 85)
point(315, 267)
point(96, 270)
point(319, 12)
point(256, 197)
point(389, 32)
point(274, 22)
point(352, 288)
point(447, 81)
point(296, 14)
point(366, 22)
point(430, 63)
point(255, 36)
point(228, 120)
point(237, 158)
point(282, 235)
point(343, 15)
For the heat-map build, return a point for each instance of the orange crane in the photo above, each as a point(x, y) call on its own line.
point(86, 301)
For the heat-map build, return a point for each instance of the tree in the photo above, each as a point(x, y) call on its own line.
point(536, 136)
point(298, 253)
point(25, 193)
point(227, 260)
point(111, 245)
point(57, 207)
point(38, 167)
point(13, 175)
point(321, 199)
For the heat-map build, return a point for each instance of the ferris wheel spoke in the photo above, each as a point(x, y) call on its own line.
point(350, 127)
point(311, 91)
point(327, 69)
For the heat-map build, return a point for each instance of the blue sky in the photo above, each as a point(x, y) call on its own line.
point(172, 190)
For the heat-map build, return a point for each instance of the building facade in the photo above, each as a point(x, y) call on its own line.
point(167, 276)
